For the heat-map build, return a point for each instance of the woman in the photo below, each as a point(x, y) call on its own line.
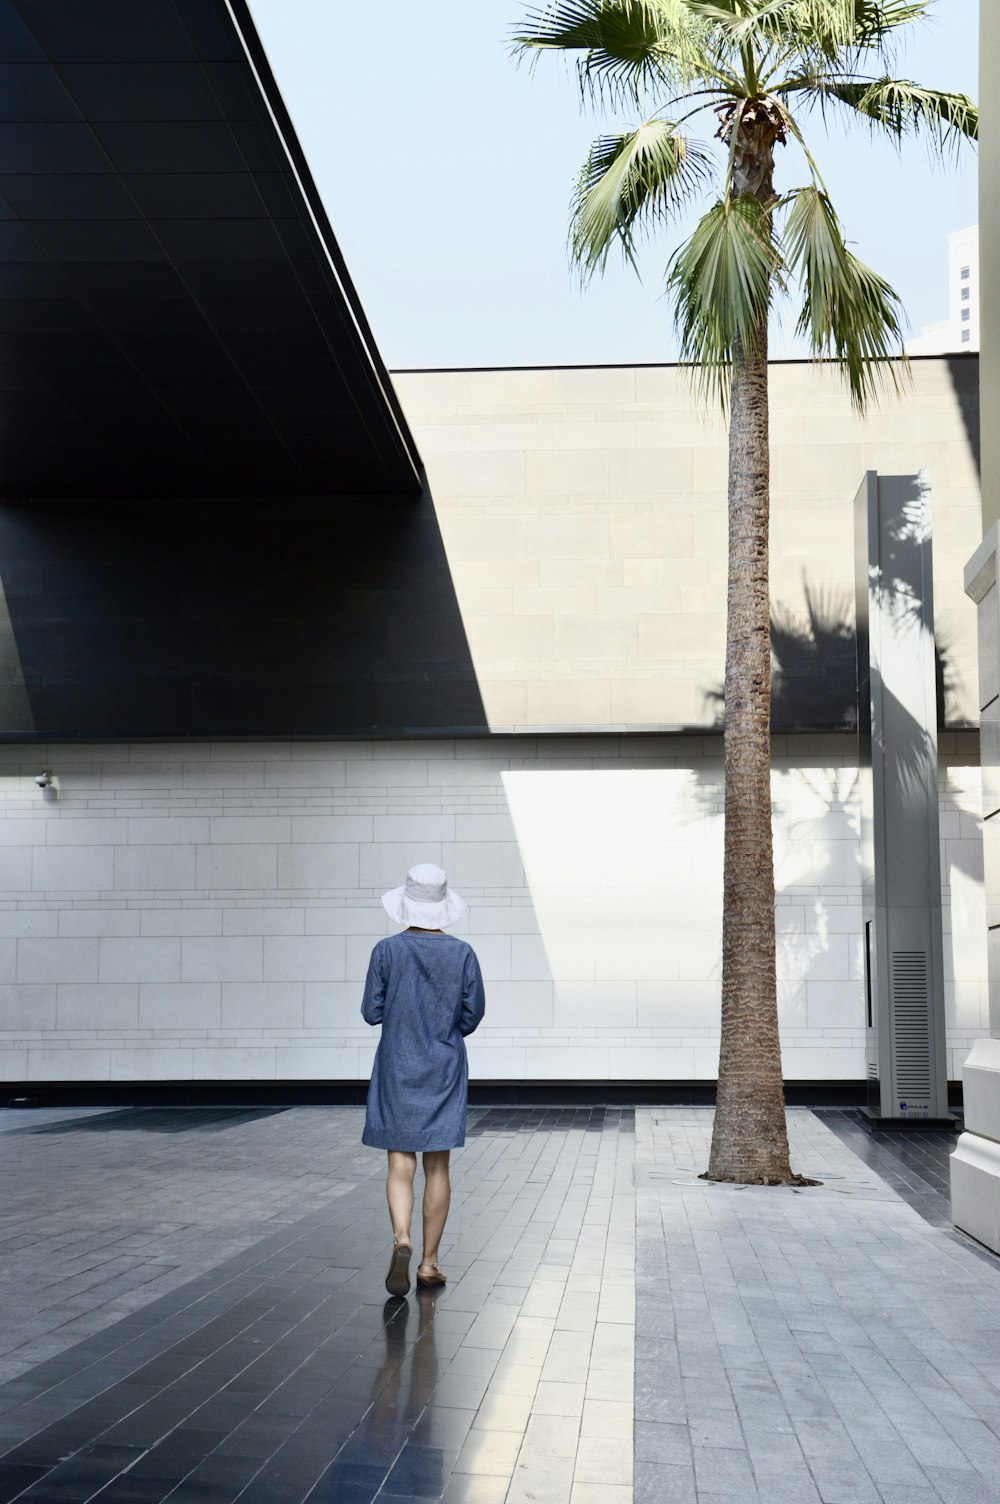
point(426, 990)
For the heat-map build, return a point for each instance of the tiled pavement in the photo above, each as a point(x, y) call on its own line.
point(101, 1214)
point(280, 1372)
point(821, 1346)
point(194, 1311)
point(914, 1164)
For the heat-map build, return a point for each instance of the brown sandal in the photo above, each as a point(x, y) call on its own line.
point(431, 1281)
point(397, 1281)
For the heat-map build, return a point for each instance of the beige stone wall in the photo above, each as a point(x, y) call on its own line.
point(583, 514)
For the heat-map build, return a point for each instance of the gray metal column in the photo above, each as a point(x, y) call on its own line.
point(901, 860)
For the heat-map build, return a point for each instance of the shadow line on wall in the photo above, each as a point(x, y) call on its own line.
point(307, 617)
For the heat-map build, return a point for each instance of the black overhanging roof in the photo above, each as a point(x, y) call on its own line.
point(175, 315)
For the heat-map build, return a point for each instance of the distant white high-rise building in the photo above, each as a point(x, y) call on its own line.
point(960, 330)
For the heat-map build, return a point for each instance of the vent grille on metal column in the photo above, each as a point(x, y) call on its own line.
point(911, 1022)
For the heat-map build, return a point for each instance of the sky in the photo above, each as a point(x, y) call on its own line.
point(447, 172)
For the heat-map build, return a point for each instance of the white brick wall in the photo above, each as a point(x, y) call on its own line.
point(206, 912)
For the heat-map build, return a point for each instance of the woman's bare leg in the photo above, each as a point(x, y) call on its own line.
point(399, 1192)
point(437, 1199)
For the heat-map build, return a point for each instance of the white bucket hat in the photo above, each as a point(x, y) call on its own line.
point(425, 899)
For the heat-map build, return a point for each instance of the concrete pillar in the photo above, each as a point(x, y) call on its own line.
point(900, 839)
point(975, 1165)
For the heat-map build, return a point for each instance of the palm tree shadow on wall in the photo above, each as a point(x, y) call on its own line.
point(814, 684)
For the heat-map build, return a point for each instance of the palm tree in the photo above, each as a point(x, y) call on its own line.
point(763, 69)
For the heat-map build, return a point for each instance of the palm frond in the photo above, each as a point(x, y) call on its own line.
point(809, 36)
point(876, 20)
point(732, 55)
point(740, 20)
point(827, 27)
point(903, 108)
point(722, 280)
point(629, 183)
point(628, 46)
point(849, 313)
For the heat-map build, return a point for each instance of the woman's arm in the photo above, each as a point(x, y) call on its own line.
point(473, 996)
point(373, 1002)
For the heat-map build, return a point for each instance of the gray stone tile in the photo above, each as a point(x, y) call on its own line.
point(717, 1428)
point(822, 1439)
point(658, 1484)
point(843, 1324)
point(795, 1486)
point(963, 1487)
point(704, 1394)
point(934, 1448)
point(841, 1483)
point(772, 1452)
point(666, 1444)
point(718, 1470)
point(742, 1496)
point(903, 1494)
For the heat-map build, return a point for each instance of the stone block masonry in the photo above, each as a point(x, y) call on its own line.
point(205, 911)
point(583, 515)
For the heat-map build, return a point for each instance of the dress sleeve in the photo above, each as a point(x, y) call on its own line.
point(373, 1002)
point(473, 996)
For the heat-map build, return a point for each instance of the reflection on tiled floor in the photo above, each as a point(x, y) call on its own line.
point(915, 1164)
point(193, 1309)
point(280, 1372)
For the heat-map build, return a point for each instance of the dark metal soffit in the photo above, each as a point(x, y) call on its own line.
point(176, 318)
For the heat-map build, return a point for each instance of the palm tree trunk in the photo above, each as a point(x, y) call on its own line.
point(750, 1138)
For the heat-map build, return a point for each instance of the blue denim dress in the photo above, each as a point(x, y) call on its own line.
point(426, 991)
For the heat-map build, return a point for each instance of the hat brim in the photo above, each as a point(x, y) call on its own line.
point(428, 916)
